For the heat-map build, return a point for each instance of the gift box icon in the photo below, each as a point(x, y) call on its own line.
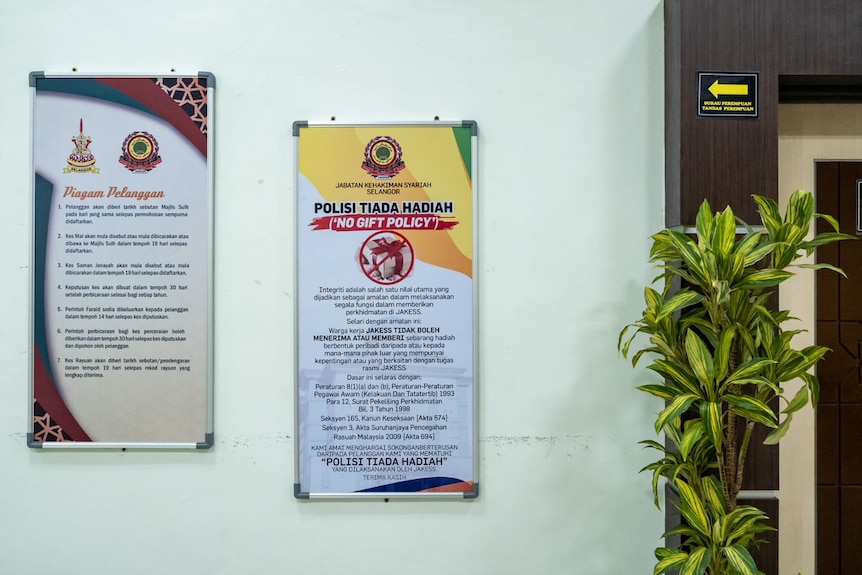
point(387, 258)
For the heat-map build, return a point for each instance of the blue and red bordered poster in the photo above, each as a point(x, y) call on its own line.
point(121, 285)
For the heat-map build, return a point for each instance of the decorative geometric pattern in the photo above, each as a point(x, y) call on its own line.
point(191, 95)
point(44, 429)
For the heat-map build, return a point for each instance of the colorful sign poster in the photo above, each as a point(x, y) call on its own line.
point(386, 308)
point(122, 288)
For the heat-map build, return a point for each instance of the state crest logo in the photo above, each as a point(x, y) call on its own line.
point(81, 159)
point(140, 152)
point(383, 158)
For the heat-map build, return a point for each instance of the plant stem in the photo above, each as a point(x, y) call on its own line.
point(731, 452)
point(743, 452)
point(729, 463)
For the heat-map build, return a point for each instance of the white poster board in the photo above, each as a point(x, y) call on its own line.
point(122, 251)
point(386, 310)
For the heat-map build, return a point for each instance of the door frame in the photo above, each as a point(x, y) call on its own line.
point(807, 133)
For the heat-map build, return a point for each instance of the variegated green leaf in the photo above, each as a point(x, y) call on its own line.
point(670, 562)
point(769, 213)
point(826, 238)
point(623, 346)
point(736, 267)
point(829, 220)
point(722, 291)
point(690, 256)
point(722, 353)
point(704, 329)
point(743, 524)
point(758, 253)
point(824, 267)
point(641, 352)
point(713, 495)
point(697, 562)
point(768, 208)
point(652, 298)
point(804, 360)
point(751, 404)
point(740, 560)
point(800, 207)
point(682, 299)
point(677, 373)
point(749, 369)
point(657, 474)
point(700, 361)
point(784, 252)
point(692, 508)
point(677, 407)
point(776, 434)
point(683, 274)
point(763, 279)
point(664, 348)
point(673, 431)
point(725, 233)
point(710, 416)
point(653, 444)
point(658, 390)
point(752, 409)
point(793, 235)
point(813, 385)
point(761, 382)
point(799, 401)
point(748, 243)
point(681, 529)
point(704, 222)
point(690, 438)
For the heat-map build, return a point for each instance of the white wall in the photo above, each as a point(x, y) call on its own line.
point(569, 101)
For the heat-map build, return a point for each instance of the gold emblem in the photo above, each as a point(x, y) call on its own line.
point(81, 159)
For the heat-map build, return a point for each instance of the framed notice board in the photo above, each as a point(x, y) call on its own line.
point(122, 261)
point(386, 310)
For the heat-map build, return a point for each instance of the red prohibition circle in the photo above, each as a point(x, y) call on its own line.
point(383, 253)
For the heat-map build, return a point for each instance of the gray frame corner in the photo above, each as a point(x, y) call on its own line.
point(207, 443)
point(209, 77)
point(34, 76)
point(297, 125)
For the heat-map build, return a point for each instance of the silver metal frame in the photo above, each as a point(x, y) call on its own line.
point(208, 432)
point(298, 493)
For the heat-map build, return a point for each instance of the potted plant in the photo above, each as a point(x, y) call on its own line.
point(724, 356)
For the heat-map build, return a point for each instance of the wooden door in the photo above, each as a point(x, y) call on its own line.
point(839, 414)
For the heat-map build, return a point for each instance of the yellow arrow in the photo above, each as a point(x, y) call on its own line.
point(728, 89)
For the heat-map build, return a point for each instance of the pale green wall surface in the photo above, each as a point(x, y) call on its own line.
point(568, 97)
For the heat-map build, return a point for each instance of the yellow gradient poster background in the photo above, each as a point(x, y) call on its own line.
point(330, 156)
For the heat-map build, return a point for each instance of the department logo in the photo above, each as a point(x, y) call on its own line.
point(140, 152)
point(383, 158)
point(81, 159)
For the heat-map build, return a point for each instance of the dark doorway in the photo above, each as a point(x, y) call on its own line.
point(839, 413)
